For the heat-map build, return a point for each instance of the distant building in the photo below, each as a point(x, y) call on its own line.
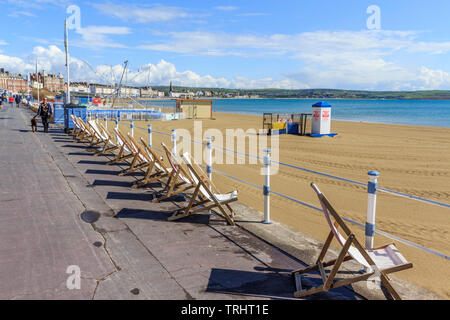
point(51, 82)
point(80, 87)
point(13, 82)
point(101, 90)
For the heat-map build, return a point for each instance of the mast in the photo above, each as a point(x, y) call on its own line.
point(66, 45)
point(120, 83)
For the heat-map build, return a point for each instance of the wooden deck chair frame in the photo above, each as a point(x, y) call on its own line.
point(97, 137)
point(82, 133)
point(179, 180)
point(86, 133)
point(76, 128)
point(155, 171)
point(123, 154)
point(346, 254)
point(141, 159)
point(109, 145)
point(204, 203)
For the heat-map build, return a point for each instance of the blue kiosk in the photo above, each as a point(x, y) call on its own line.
point(321, 120)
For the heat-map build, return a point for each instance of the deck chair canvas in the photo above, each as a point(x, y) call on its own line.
point(140, 160)
point(124, 152)
point(378, 262)
point(98, 137)
point(82, 133)
point(109, 145)
point(76, 127)
point(156, 169)
point(179, 180)
point(86, 133)
point(205, 195)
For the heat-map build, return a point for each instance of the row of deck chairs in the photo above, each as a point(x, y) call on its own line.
point(184, 175)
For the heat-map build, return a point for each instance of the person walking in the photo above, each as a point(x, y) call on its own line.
point(11, 101)
point(18, 99)
point(45, 112)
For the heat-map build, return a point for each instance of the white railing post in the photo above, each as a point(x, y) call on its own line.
point(96, 117)
point(106, 122)
point(150, 135)
point(132, 128)
point(174, 142)
point(117, 123)
point(266, 188)
point(372, 189)
point(209, 163)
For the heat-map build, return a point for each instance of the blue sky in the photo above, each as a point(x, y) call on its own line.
point(244, 44)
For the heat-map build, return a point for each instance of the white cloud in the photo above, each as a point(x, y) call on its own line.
point(38, 4)
point(141, 14)
point(226, 8)
point(341, 71)
point(341, 59)
point(17, 14)
point(97, 36)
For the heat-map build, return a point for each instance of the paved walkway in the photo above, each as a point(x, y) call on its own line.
point(60, 206)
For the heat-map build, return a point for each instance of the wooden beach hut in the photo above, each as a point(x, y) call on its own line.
point(194, 109)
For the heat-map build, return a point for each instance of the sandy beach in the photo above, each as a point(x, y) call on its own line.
point(411, 159)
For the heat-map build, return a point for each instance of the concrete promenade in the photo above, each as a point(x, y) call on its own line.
point(60, 206)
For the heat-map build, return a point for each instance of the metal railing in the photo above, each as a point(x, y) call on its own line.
point(372, 189)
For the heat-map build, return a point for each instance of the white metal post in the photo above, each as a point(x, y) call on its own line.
point(150, 135)
point(174, 142)
point(132, 128)
point(106, 122)
point(96, 117)
point(117, 123)
point(372, 189)
point(266, 188)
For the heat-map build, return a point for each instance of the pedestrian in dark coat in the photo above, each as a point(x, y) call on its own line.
point(45, 112)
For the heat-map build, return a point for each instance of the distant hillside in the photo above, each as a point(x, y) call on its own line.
point(319, 93)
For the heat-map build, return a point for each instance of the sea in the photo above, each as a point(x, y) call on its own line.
point(435, 113)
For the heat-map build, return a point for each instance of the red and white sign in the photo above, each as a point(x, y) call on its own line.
point(316, 115)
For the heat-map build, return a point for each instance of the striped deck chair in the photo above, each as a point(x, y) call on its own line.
point(99, 137)
point(155, 171)
point(141, 160)
point(109, 145)
point(179, 180)
point(378, 262)
point(124, 151)
point(76, 128)
point(205, 195)
point(85, 133)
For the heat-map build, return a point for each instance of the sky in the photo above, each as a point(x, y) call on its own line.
point(290, 44)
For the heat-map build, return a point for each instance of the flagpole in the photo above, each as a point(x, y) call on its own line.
point(66, 45)
point(37, 79)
